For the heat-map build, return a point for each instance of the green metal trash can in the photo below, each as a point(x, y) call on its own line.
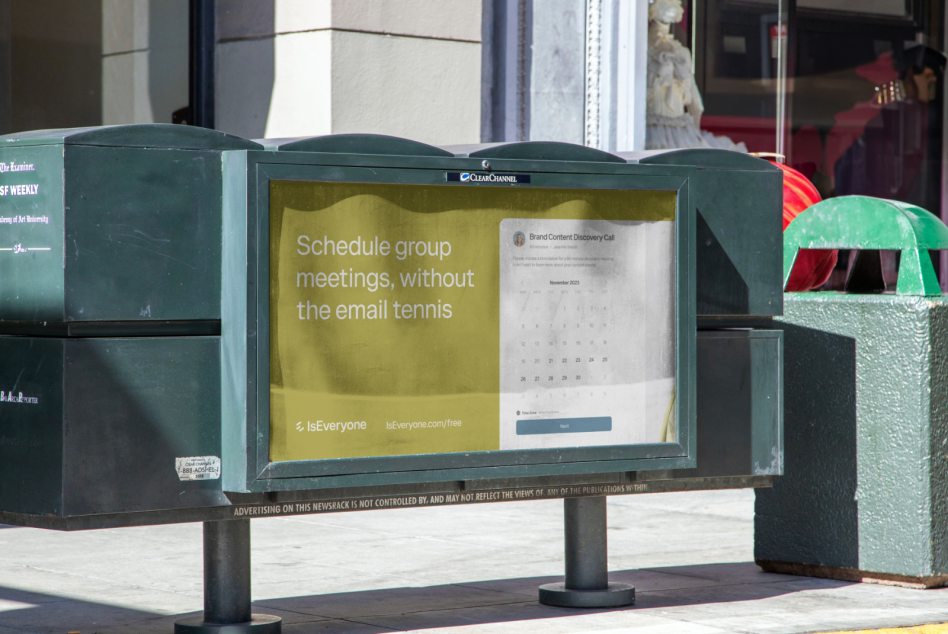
point(864, 495)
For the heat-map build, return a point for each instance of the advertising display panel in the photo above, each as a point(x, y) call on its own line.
point(432, 319)
point(436, 321)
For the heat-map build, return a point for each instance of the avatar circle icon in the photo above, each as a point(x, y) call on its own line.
point(519, 239)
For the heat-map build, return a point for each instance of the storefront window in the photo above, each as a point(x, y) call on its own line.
point(867, 101)
point(740, 60)
point(851, 94)
point(867, 104)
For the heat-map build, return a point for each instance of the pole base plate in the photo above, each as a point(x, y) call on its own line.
point(258, 624)
point(616, 595)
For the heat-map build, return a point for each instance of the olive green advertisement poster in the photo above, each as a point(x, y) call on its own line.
point(419, 319)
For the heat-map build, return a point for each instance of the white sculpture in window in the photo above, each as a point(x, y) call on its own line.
point(674, 107)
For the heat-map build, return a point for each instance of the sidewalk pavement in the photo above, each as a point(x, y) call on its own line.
point(449, 569)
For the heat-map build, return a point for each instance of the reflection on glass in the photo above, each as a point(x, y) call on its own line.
point(867, 104)
point(883, 146)
point(862, 110)
point(674, 105)
point(738, 69)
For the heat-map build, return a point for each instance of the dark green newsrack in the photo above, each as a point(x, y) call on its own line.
point(112, 225)
point(866, 395)
point(134, 333)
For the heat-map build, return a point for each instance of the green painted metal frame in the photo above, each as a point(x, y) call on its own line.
point(766, 368)
point(863, 222)
point(245, 328)
point(142, 135)
point(133, 231)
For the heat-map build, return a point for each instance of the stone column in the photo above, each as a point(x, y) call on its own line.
point(407, 68)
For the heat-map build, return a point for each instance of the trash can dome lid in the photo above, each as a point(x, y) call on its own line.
point(864, 222)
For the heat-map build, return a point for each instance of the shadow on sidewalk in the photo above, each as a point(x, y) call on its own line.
point(506, 600)
point(410, 608)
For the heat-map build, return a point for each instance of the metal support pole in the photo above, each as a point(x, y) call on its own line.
point(202, 63)
point(586, 545)
point(587, 577)
point(227, 571)
point(227, 584)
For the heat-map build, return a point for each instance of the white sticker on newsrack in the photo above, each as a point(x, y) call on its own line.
point(198, 468)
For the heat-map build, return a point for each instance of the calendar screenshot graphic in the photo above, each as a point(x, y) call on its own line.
point(587, 342)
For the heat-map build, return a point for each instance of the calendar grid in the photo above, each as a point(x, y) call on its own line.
point(586, 332)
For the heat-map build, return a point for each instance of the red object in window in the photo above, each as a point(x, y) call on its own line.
point(758, 134)
point(813, 266)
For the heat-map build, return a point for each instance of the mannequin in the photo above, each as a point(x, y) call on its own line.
point(674, 106)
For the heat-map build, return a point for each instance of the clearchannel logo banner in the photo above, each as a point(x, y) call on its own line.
point(487, 177)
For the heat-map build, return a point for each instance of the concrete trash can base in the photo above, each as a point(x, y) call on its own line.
point(865, 488)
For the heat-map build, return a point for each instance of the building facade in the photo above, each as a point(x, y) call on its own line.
point(852, 94)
